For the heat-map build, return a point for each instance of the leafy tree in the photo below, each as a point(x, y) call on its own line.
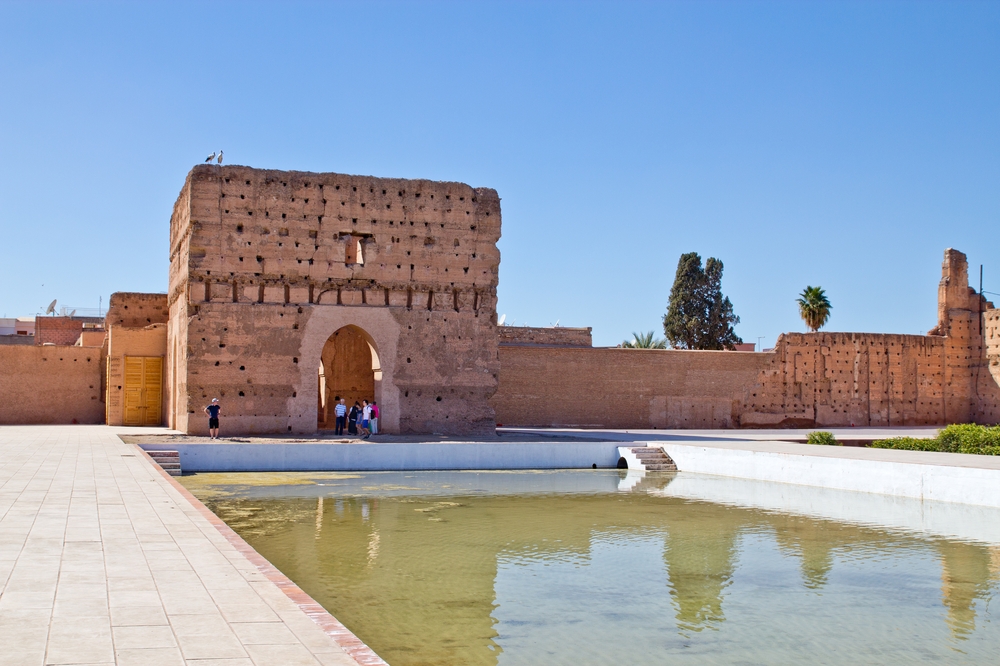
point(699, 316)
point(814, 307)
point(644, 341)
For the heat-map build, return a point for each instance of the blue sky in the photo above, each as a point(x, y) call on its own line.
point(838, 144)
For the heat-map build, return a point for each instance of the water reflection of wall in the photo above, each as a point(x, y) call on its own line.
point(431, 562)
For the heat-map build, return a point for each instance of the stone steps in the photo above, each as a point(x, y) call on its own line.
point(654, 459)
point(170, 461)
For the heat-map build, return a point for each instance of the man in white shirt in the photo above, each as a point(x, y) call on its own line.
point(341, 411)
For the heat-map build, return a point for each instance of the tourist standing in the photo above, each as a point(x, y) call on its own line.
point(374, 419)
point(366, 415)
point(341, 411)
point(352, 419)
point(213, 418)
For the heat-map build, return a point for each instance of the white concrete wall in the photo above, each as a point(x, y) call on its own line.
point(941, 483)
point(276, 457)
point(945, 519)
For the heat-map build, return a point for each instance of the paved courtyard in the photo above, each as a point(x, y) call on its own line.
point(103, 560)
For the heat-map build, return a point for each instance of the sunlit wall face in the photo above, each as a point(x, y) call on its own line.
point(492, 568)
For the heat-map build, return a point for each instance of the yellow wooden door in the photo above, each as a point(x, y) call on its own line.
point(143, 390)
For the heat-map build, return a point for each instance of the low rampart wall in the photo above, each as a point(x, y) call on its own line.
point(50, 385)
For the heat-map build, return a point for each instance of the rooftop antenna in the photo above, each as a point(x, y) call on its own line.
point(503, 318)
point(51, 310)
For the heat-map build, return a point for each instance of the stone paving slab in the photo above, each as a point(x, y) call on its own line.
point(106, 560)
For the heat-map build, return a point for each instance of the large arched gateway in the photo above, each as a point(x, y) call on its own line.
point(349, 369)
point(274, 274)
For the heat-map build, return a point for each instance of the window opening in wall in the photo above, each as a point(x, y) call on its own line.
point(354, 251)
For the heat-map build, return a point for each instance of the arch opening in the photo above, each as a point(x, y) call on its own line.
point(349, 368)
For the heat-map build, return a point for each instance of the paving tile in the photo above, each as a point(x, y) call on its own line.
point(118, 598)
point(80, 641)
point(130, 616)
point(144, 637)
point(263, 633)
point(169, 656)
point(281, 655)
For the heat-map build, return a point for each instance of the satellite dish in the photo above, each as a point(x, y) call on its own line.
point(503, 318)
point(52, 307)
point(557, 324)
point(72, 313)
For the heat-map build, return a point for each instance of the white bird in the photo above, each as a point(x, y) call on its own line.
point(220, 157)
point(209, 158)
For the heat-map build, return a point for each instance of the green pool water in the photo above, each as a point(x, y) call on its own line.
point(596, 567)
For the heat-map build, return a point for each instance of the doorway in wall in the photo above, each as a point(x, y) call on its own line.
point(143, 390)
point(349, 368)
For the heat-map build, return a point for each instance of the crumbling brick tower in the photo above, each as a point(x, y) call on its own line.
point(282, 282)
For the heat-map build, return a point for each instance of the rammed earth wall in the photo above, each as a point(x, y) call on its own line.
point(810, 379)
point(267, 265)
point(50, 385)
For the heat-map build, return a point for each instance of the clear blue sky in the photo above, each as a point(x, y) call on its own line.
point(838, 144)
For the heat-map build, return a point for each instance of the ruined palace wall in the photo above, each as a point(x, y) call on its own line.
point(50, 385)
point(178, 405)
point(989, 382)
point(263, 272)
point(623, 388)
point(840, 379)
point(136, 310)
point(556, 336)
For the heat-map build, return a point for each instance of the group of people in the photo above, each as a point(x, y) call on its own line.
point(359, 420)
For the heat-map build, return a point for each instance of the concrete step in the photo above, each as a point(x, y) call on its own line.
point(169, 461)
point(654, 459)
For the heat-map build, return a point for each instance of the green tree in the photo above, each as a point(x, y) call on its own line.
point(699, 316)
point(644, 341)
point(814, 307)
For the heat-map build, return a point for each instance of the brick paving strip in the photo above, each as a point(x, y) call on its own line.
point(104, 559)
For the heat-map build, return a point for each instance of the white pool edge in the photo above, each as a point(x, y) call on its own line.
point(941, 483)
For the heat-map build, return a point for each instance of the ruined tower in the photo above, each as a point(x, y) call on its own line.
point(288, 289)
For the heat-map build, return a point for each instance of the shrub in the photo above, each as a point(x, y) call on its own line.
point(957, 438)
point(822, 437)
point(907, 444)
point(969, 438)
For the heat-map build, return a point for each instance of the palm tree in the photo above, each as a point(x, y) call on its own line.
point(644, 341)
point(814, 307)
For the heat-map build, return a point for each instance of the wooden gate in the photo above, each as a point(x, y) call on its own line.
point(143, 390)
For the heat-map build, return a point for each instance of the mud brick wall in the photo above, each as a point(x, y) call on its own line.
point(553, 336)
point(266, 265)
point(844, 379)
point(136, 310)
point(50, 385)
point(951, 375)
point(623, 388)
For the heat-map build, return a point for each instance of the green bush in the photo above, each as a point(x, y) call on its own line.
point(907, 444)
point(969, 438)
point(822, 437)
point(957, 438)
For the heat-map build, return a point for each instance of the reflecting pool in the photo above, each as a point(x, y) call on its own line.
point(603, 566)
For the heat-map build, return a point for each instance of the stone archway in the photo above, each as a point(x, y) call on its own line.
point(349, 368)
